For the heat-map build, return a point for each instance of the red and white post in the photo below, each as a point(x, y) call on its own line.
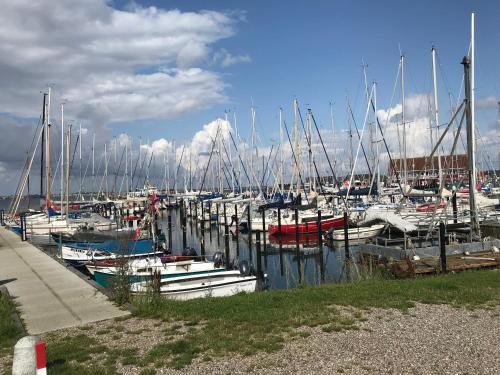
point(41, 361)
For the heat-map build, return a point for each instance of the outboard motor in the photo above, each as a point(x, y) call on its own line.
point(218, 259)
point(245, 268)
point(189, 251)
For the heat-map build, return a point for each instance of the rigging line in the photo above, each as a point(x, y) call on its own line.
point(310, 149)
point(336, 181)
point(241, 161)
point(357, 132)
point(230, 163)
point(266, 166)
point(436, 146)
point(209, 159)
point(294, 157)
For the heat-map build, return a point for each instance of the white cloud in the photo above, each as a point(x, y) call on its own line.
point(110, 65)
point(488, 102)
point(227, 59)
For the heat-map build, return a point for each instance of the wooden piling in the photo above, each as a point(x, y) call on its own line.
point(169, 229)
point(279, 221)
point(319, 227)
point(442, 246)
point(297, 225)
point(226, 245)
point(346, 236)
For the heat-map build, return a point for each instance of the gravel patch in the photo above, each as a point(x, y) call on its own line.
point(429, 339)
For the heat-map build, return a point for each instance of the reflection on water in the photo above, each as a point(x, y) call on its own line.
point(286, 263)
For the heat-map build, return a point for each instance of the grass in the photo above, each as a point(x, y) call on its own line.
point(247, 324)
point(10, 332)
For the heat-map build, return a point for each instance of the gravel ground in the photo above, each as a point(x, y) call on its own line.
point(430, 339)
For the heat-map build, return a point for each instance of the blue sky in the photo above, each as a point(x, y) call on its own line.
point(313, 50)
point(163, 70)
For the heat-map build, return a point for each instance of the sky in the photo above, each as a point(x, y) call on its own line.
point(165, 71)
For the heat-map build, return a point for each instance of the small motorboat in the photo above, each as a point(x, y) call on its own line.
point(355, 234)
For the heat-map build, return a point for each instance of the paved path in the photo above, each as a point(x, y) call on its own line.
point(50, 296)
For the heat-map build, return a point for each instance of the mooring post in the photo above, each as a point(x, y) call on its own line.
point(225, 213)
point(263, 221)
point(210, 214)
point(169, 229)
point(346, 236)
point(297, 225)
point(249, 220)
point(196, 211)
point(183, 224)
point(2, 222)
point(454, 206)
point(202, 217)
point(236, 218)
point(319, 226)
point(226, 243)
point(442, 246)
point(259, 253)
point(217, 213)
point(21, 219)
point(279, 221)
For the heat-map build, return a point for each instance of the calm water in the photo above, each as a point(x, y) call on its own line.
point(286, 264)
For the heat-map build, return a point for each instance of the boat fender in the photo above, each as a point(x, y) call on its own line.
point(189, 251)
point(218, 259)
point(244, 267)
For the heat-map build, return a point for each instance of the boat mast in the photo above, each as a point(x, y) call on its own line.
point(436, 115)
point(106, 170)
point(62, 159)
point(42, 148)
point(473, 96)
point(47, 144)
point(297, 144)
point(68, 146)
point(93, 163)
point(81, 141)
point(405, 166)
point(333, 135)
point(281, 149)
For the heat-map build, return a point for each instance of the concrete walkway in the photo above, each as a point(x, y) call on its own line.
point(50, 296)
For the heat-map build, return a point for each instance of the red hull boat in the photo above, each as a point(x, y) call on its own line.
point(307, 227)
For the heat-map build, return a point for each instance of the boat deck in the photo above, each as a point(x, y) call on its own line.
point(49, 296)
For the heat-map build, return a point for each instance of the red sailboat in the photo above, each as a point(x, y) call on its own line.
point(307, 227)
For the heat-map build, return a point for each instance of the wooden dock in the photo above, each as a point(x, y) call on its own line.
point(48, 294)
point(454, 263)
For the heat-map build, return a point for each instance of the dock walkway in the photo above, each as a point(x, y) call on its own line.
point(49, 295)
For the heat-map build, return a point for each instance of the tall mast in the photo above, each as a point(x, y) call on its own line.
point(333, 134)
point(436, 115)
point(473, 96)
point(42, 149)
point(253, 144)
point(126, 168)
point(230, 155)
point(62, 158)
point(93, 163)
point(378, 137)
point(47, 143)
point(106, 169)
point(68, 146)
point(80, 137)
point(281, 150)
point(297, 143)
point(405, 166)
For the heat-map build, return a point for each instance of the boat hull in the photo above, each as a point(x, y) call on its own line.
point(308, 227)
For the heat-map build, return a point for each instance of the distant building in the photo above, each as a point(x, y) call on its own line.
point(454, 168)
